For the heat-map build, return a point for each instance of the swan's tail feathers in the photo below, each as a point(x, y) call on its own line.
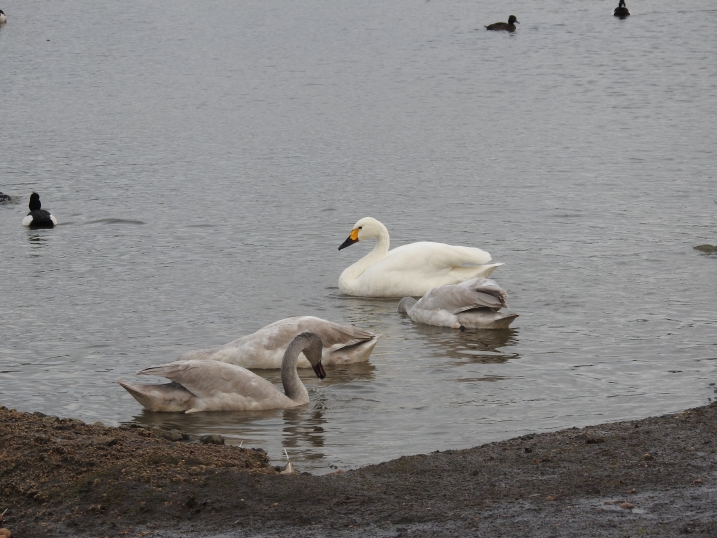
point(487, 269)
point(483, 293)
point(170, 370)
point(463, 273)
point(504, 322)
point(358, 351)
point(358, 336)
point(171, 397)
point(485, 318)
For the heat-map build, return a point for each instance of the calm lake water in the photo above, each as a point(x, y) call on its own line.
point(205, 161)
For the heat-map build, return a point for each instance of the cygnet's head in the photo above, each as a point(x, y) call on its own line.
point(366, 228)
point(312, 347)
point(405, 304)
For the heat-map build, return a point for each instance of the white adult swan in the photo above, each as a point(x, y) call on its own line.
point(217, 386)
point(472, 304)
point(412, 269)
point(343, 344)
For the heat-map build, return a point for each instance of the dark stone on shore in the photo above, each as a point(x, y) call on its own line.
point(212, 440)
point(169, 435)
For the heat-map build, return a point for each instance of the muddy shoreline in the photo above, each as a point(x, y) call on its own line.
point(657, 476)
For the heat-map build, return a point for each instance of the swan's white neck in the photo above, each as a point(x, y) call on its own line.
point(293, 387)
point(347, 280)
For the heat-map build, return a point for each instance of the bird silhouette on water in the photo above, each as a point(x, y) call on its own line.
point(507, 26)
point(621, 10)
point(38, 217)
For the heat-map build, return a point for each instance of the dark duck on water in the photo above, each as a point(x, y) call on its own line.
point(621, 10)
point(38, 217)
point(507, 26)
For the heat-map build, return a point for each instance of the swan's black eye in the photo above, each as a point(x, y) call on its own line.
point(360, 227)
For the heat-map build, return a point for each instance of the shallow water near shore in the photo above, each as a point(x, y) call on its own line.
point(205, 166)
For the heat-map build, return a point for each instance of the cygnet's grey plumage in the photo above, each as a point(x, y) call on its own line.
point(265, 348)
point(216, 386)
point(471, 304)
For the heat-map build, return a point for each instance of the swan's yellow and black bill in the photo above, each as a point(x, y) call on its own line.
point(353, 238)
point(319, 370)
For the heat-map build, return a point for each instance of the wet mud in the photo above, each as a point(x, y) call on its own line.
point(651, 477)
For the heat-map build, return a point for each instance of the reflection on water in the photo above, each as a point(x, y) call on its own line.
point(301, 427)
point(37, 243)
point(471, 345)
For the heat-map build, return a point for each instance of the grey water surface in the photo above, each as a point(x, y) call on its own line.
point(206, 159)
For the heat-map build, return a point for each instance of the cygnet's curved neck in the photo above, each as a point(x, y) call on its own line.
point(293, 387)
point(379, 252)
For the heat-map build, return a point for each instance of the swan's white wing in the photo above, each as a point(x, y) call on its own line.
point(413, 270)
point(455, 298)
point(436, 255)
point(210, 380)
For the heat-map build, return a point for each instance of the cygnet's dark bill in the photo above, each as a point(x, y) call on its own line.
point(319, 370)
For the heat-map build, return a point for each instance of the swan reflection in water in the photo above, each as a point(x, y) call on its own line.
point(469, 347)
point(303, 431)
